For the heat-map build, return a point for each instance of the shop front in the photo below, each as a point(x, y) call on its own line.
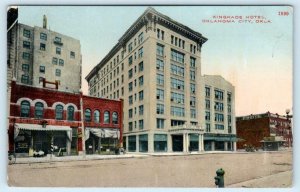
point(101, 140)
point(31, 138)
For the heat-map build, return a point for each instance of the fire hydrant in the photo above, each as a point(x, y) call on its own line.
point(219, 179)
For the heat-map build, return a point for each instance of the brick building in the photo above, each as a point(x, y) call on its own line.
point(41, 116)
point(253, 129)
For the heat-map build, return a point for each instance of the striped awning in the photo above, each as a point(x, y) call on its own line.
point(37, 127)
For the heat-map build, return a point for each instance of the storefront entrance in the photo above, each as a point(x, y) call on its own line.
point(177, 143)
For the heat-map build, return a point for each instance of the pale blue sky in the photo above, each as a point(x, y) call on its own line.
point(256, 58)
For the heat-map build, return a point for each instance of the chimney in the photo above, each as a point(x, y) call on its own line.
point(44, 22)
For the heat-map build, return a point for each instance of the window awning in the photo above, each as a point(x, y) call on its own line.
point(37, 127)
point(102, 132)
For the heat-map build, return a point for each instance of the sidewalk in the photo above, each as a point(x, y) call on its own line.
point(279, 180)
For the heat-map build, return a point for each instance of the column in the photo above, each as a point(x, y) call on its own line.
point(234, 146)
point(184, 143)
point(137, 143)
point(68, 146)
point(170, 143)
point(213, 145)
point(225, 146)
point(151, 142)
point(127, 143)
point(200, 143)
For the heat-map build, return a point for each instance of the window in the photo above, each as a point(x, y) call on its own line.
point(219, 106)
point(141, 52)
point(228, 97)
point(219, 94)
point(58, 72)
point(141, 80)
point(141, 37)
point(131, 140)
point(192, 75)
point(160, 123)
point(115, 118)
point(159, 64)
point(43, 36)
point(59, 112)
point(106, 117)
point(158, 33)
point(160, 109)
point(207, 115)
point(54, 60)
point(177, 98)
point(26, 56)
point(172, 39)
point(192, 62)
point(141, 95)
point(42, 69)
point(219, 117)
point(141, 124)
point(177, 111)
point(96, 116)
point(26, 44)
point(160, 142)
point(25, 109)
point(177, 70)
point(162, 35)
point(141, 66)
point(160, 50)
point(207, 91)
point(159, 94)
point(143, 143)
point(130, 99)
point(130, 113)
point(220, 127)
point(193, 101)
point(207, 127)
point(61, 62)
point(193, 88)
point(177, 56)
point(42, 46)
point(39, 110)
point(207, 104)
point(159, 79)
point(57, 40)
point(141, 109)
point(58, 50)
point(193, 113)
point(229, 108)
point(130, 47)
point(25, 67)
point(130, 73)
point(71, 111)
point(25, 79)
point(177, 123)
point(87, 115)
point(177, 84)
point(26, 33)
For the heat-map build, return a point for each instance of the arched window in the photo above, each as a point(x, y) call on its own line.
point(115, 118)
point(87, 115)
point(96, 116)
point(70, 113)
point(59, 112)
point(39, 110)
point(106, 117)
point(25, 109)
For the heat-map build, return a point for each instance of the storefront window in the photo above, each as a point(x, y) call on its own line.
point(143, 143)
point(25, 109)
point(59, 112)
point(115, 118)
point(160, 142)
point(39, 110)
point(106, 117)
point(87, 115)
point(194, 142)
point(70, 113)
point(96, 116)
point(132, 143)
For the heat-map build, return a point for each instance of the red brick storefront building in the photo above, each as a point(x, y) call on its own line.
point(40, 117)
point(252, 129)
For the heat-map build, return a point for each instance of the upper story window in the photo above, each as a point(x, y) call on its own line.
point(58, 50)
point(192, 75)
point(130, 47)
point(39, 110)
point(193, 88)
point(43, 36)
point(207, 91)
point(130, 73)
point(130, 60)
point(96, 116)
point(229, 97)
point(141, 95)
point(26, 44)
point(25, 67)
point(58, 72)
point(25, 109)
point(159, 64)
point(61, 62)
point(42, 46)
point(141, 52)
point(141, 80)
point(115, 118)
point(192, 62)
point(177, 56)
point(42, 69)
point(59, 112)
point(54, 60)
point(70, 113)
point(72, 54)
point(25, 79)
point(219, 94)
point(177, 70)
point(106, 117)
point(26, 56)
point(57, 39)
point(87, 115)
point(177, 84)
point(26, 33)
point(159, 49)
point(141, 37)
point(141, 66)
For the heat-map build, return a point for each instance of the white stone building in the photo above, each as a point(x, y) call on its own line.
point(156, 69)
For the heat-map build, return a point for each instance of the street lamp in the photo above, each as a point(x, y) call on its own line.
point(288, 118)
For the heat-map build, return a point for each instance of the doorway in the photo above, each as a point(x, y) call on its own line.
point(177, 143)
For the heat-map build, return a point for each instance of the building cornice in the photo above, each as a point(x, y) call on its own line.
point(148, 19)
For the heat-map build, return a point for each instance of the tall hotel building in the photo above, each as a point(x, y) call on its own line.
point(156, 69)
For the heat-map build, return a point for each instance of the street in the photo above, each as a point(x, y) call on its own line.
point(197, 170)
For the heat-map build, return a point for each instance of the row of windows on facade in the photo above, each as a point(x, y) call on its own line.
point(39, 113)
point(218, 94)
point(43, 36)
point(175, 111)
point(218, 106)
point(218, 117)
point(217, 127)
point(27, 45)
point(131, 124)
point(175, 97)
point(131, 97)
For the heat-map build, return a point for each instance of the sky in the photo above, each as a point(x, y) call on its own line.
point(254, 54)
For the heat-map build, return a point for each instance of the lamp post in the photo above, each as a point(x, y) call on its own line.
point(288, 117)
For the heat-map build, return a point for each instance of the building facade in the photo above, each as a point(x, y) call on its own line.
point(220, 130)
point(73, 123)
point(36, 52)
point(254, 129)
point(156, 68)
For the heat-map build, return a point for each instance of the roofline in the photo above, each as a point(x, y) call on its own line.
point(149, 13)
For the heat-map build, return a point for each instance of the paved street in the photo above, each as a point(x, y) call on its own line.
point(259, 169)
